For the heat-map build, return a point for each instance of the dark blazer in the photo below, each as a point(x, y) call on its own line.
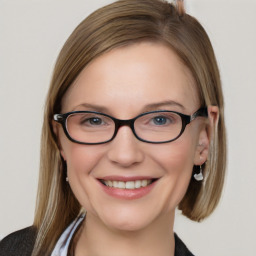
point(20, 243)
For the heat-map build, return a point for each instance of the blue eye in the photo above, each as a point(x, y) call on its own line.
point(92, 121)
point(95, 121)
point(160, 120)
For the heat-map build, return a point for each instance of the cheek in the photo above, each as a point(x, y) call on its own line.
point(177, 157)
point(81, 161)
point(176, 161)
point(80, 158)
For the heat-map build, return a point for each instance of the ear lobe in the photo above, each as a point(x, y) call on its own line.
point(55, 128)
point(63, 154)
point(206, 135)
point(202, 147)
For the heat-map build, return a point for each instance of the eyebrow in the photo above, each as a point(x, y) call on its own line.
point(93, 107)
point(147, 108)
point(169, 103)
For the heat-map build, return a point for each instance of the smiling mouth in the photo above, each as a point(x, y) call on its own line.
point(128, 184)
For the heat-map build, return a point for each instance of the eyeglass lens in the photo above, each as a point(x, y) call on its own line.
point(97, 128)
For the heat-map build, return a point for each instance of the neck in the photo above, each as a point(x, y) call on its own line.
point(97, 239)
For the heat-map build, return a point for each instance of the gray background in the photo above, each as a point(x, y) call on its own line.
point(31, 35)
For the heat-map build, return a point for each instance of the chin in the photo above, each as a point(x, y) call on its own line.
point(127, 225)
point(128, 218)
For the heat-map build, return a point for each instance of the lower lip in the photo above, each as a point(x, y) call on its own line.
point(128, 194)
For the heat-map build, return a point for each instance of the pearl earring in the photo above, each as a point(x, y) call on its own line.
point(199, 176)
point(67, 179)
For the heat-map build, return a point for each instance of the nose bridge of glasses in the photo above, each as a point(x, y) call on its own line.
point(127, 122)
point(123, 122)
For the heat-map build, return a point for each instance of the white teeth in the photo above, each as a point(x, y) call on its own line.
point(144, 183)
point(121, 184)
point(137, 184)
point(115, 184)
point(128, 184)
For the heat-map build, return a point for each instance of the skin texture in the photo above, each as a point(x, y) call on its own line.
point(123, 83)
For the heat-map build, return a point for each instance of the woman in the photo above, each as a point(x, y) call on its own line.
point(133, 128)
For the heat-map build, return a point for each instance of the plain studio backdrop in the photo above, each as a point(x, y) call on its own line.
point(31, 34)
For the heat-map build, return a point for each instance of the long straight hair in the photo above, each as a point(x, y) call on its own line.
point(116, 25)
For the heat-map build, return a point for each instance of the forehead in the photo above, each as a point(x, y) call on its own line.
point(127, 79)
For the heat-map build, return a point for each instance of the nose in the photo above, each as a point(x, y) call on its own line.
point(125, 149)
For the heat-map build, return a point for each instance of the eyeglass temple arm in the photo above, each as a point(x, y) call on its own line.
point(200, 112)
point(57, 117)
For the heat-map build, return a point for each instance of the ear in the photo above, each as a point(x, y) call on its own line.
point(56, 129)
point(205, 136)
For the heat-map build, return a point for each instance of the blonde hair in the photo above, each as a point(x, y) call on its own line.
point(122, 23)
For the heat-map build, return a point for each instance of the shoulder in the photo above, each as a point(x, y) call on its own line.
point(180, 248)
point(19, 243)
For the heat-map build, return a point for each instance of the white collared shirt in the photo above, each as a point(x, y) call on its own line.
point(61, 247)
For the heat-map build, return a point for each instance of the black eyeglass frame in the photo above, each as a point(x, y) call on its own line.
point(186, 119)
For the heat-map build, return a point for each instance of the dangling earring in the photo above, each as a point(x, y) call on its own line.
point(199, 176)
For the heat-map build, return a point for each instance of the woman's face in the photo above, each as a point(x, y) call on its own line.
point(124, 83)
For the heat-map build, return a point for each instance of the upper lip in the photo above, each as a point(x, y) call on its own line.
point(124, 178)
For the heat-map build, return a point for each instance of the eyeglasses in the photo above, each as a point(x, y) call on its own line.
point(89, 127)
